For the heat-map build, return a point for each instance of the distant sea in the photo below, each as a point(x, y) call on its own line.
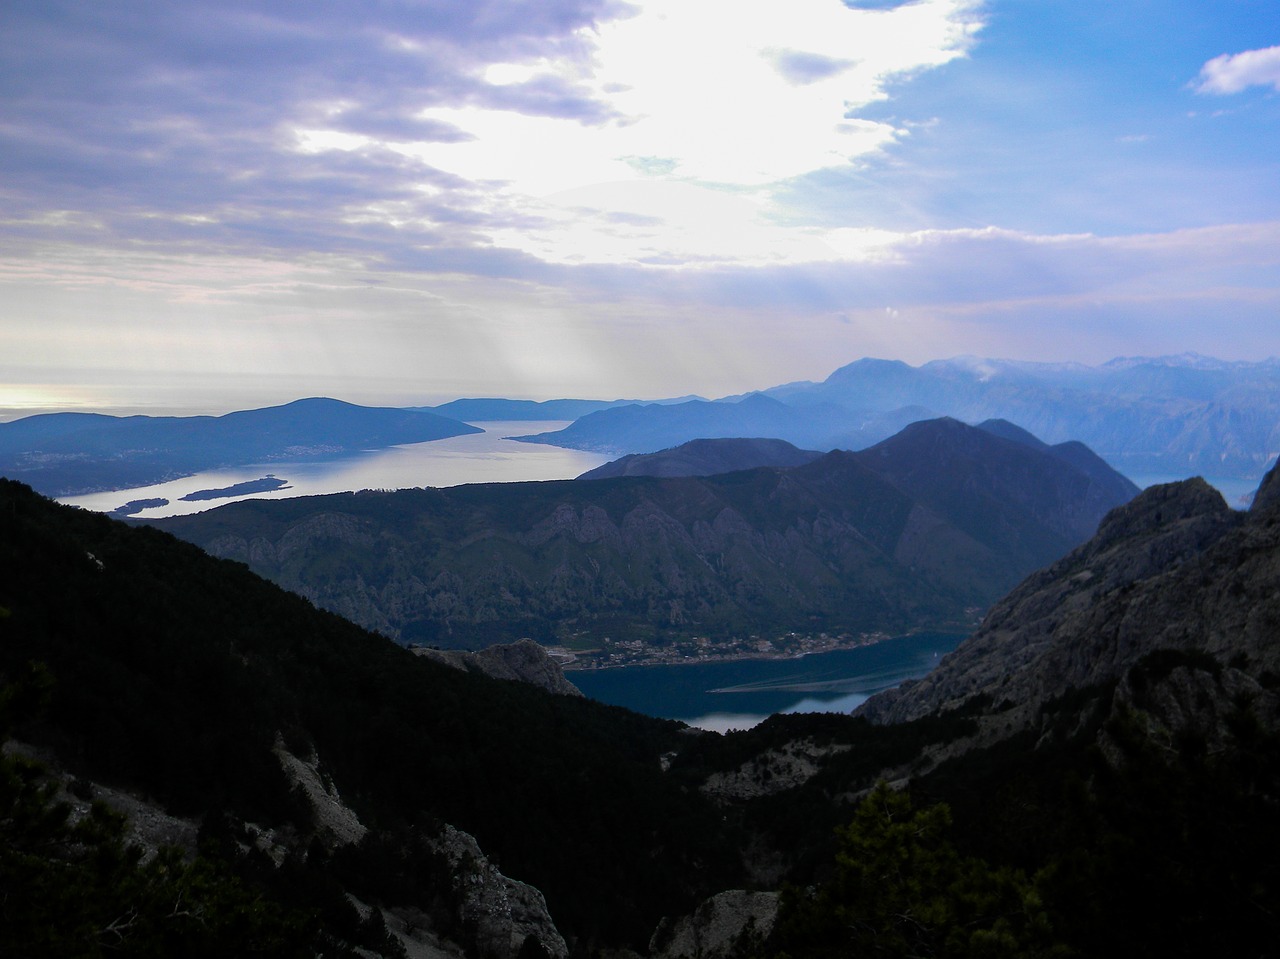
point(486, 457)
point(738, 694)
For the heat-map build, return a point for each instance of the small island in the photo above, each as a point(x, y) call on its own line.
point(137, 506)
point(263, 485)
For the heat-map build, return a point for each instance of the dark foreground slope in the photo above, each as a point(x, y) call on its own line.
point(1095, 773)
point(918, 531)
point(184, 678)
point(1124, 803)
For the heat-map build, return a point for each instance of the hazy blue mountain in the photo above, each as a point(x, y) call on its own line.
point(482, 409)
point(489, 409)
point(62, 454)
point(1174, 416)
point(647, 429)
point(919, 530)
point(705, 458)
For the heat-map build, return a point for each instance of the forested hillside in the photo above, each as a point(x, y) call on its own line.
point(920, 531)
point(181, 677)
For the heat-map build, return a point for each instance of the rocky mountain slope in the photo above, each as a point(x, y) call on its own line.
point(525, 662)
point(1109, 738)
point(1174, 570)
point(917, 531)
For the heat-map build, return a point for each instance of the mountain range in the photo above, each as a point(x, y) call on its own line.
point(64, 454)
point(1161, 418)
point(1095, 773)
point(921, 530)
point(1172, 416)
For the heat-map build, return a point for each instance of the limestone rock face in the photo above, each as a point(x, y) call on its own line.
point(1057, 629)
point(1174, 571)
point(336, 822)
point(499, 917)
point(728, 924)
point(524, 661)
point(1200, 701)
point(773, 771)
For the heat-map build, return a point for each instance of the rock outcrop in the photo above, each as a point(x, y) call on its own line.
point(770, 772)
point(500, 918)
point(729, 924)
point(523, 661)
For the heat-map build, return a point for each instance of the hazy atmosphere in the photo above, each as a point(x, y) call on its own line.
point(211, 205)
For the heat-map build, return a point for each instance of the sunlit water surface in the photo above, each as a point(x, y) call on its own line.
point(486, 457)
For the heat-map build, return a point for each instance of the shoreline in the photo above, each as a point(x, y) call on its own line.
point(603, 658)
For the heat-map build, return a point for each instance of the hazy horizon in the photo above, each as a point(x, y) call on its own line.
point(243, 393)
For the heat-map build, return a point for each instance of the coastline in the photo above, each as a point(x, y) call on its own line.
point(699, 652)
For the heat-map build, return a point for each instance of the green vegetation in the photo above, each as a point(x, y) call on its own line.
point(73, 887)
point(901, 888)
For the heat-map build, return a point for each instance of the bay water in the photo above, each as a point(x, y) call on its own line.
point(738, 694)
point(488, 457)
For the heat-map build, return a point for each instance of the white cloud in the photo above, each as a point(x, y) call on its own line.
point(697, 98)
point(1234, 72)
point(712, 86)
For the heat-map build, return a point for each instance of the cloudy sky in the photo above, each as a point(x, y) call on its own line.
point(206, 205)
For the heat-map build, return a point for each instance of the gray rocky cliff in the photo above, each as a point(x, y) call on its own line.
point(730, 924)
point(500, 918)
point(1175, 569)
point(524, 661)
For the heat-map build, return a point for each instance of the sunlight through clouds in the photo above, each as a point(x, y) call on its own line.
point(710, 103)
point(658, 197)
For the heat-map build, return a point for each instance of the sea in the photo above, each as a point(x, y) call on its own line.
point(488, 457)
point(738, 694)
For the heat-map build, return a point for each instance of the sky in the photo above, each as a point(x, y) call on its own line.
point(211, 205)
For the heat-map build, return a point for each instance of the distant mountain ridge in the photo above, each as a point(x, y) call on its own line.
point(919, 530)
point(63, 454)
point(706, 457)
point(488, 409)
point(1175, 416)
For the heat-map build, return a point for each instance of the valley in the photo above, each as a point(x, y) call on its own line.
point(1101, 750)
point(913, 533)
